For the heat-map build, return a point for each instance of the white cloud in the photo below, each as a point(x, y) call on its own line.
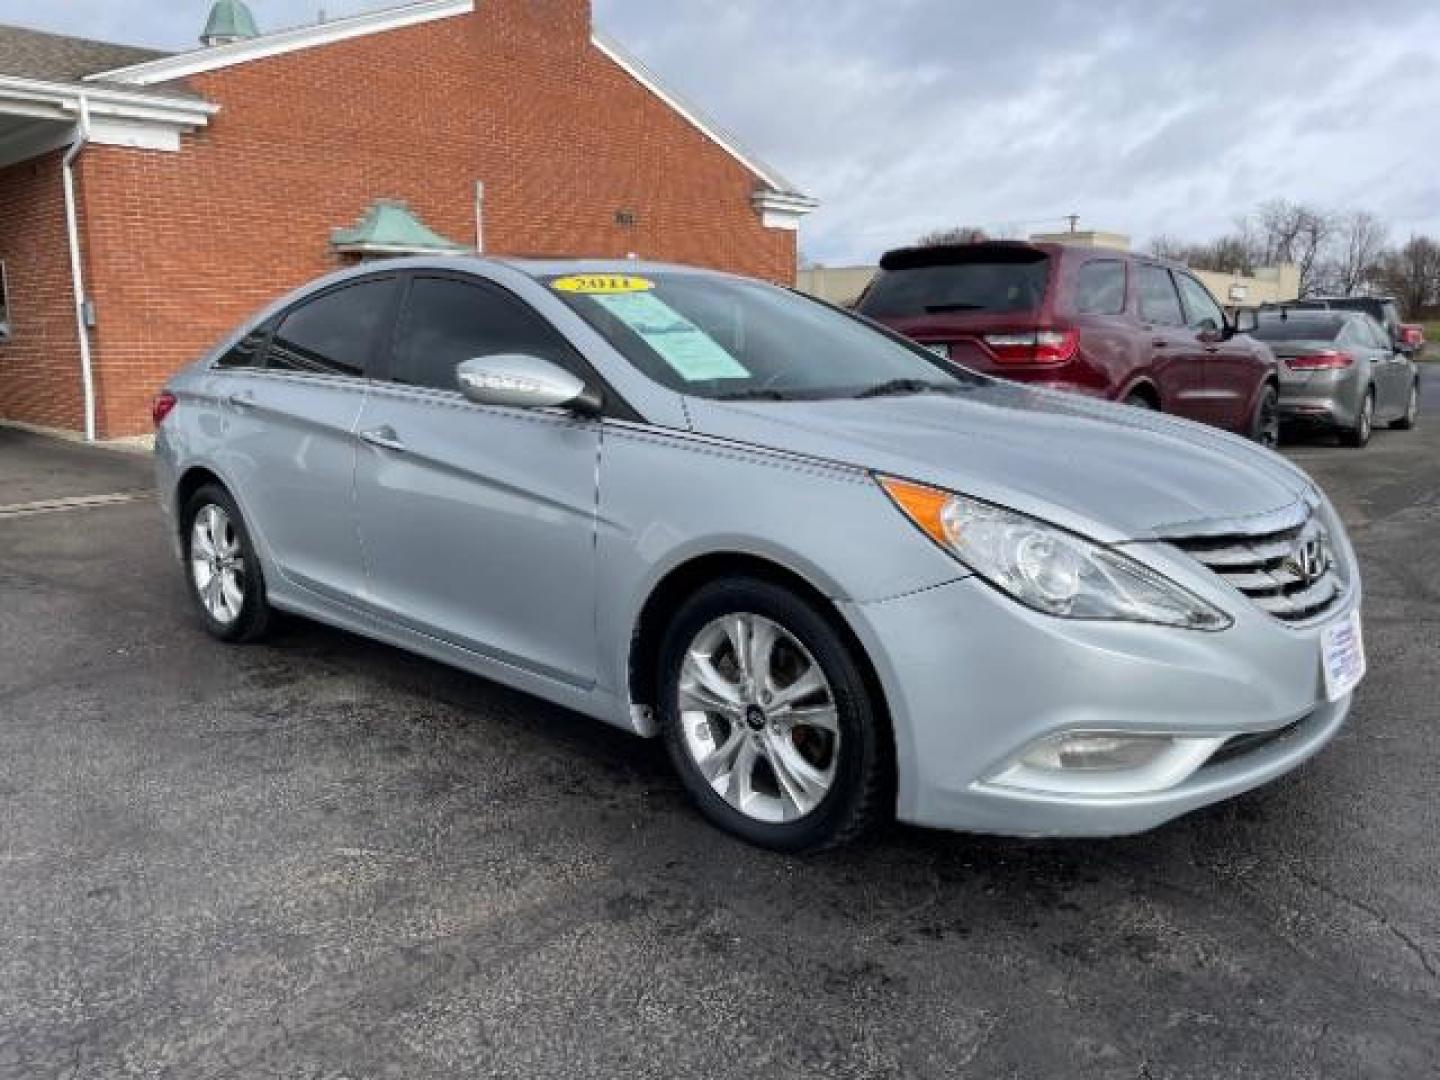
point(1143, 116)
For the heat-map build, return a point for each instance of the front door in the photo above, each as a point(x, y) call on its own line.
point(478, 522)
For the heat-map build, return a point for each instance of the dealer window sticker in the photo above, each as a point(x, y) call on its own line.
point(602, 284)
point(692, 353)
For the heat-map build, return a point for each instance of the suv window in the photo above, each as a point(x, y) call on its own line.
point(249, 351)
point(1202, 312)
point(449, 321)
point(1100, 288)
point(335, 333)
point(1379, 336)
point(1158, 300)
point(979, 280)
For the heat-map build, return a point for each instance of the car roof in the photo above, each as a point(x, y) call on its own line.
point(921, 255)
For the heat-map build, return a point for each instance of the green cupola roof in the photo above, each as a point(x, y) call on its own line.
point(390, 227)
point(230, 20)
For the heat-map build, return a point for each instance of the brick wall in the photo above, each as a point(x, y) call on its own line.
point(184, 245)
point(40, 365)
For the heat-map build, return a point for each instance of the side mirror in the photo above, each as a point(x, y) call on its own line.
point(525, 382)
point(1246, 321)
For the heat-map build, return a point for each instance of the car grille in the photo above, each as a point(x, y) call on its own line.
point(1290, 573)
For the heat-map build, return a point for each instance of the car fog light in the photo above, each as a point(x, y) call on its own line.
point(1106, 763)
point(1087, 751)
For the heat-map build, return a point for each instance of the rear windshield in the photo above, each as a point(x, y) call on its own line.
point(1299, 326)
point(1014, 282)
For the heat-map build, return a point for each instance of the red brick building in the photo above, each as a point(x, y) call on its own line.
point(149, 202)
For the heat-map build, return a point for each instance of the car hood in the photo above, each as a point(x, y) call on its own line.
point(1113, 472)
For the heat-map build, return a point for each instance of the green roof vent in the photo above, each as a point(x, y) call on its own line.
point(230, 20)
point(390, 227)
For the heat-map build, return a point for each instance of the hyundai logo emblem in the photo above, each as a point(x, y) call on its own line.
point(1308, 560)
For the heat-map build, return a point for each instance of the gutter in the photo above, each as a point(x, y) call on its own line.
point(77, 273)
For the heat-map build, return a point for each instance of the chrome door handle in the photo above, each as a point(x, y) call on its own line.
point(384, 437)
point(242, 400)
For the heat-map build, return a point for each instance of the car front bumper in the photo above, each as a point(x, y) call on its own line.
point(972, 679)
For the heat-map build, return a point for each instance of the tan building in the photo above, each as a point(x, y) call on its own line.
point(1269, 284)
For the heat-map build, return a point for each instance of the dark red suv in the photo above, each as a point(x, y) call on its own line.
point(1097, 321)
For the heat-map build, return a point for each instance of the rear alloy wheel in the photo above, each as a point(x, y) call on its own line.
point(1141, 401)
point(1359, 435)
point(223, 572)
point(1412, 410)
point(1265, 424)
point(768, 718)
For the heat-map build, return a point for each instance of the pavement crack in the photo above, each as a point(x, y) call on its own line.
point(1375, 913)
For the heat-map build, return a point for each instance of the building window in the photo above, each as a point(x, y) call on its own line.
point(4, 304)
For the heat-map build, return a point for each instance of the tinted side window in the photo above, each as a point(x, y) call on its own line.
point(1378, 334)
point(1200, 307)
point(249, 351)
point(1158, 301)
point(1100, 288)
point(334, 334)
point(449, 321)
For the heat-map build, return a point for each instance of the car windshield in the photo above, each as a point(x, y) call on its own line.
point(958, 281)
point(731, 339)
point(1299, 326)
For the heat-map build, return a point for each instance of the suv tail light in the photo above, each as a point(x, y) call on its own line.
point(1320, 361)
point(1412, 334)
point(1035, 346)
point(162, 406)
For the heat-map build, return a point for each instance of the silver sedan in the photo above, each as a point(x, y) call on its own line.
point(841, 577)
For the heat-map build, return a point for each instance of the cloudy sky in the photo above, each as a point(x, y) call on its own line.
point(1145, 117)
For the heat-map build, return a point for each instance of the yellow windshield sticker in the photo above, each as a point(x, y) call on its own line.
point(602, 284)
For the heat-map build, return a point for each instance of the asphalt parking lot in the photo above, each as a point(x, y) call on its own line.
point(321, 857)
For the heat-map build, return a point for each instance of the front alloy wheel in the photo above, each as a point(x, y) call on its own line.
point(769, 718)
point(759, 718)
point(1359, 435)
point(1412, 410)
point(1265, 424)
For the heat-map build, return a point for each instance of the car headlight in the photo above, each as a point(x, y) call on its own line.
point(1047, 568)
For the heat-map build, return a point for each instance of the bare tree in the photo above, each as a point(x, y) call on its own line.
point(1359, 245)
point(1289, 232)
point(959, 234)
point(1413, 275)
point(1230, 254)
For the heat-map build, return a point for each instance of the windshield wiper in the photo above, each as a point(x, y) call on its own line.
point(936, 309)
point(906, 386)
point(754, 394)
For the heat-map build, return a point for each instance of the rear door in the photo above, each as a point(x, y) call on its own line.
point(478, 521)
point(289, 443)
point(1177, 357)
point(1233, 369)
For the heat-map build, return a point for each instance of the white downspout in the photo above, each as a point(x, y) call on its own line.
point(77, 273)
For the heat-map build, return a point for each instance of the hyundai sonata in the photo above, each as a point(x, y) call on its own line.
point(839, 576)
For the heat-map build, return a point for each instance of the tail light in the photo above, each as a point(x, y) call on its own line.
point(162, 406)
point(1034, 347)
point(1320, 361)
point(1412, 334)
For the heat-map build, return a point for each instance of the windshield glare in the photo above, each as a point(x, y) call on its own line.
point(725, 338)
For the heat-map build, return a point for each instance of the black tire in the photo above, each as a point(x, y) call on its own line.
point(1265, 420)
point(253, 617)
point(1359, 435)
point(862, 769)
point(1412, 410)
point(1141, 401)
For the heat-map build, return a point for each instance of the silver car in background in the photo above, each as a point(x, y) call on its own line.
point(840, 577)
point(1340, 370)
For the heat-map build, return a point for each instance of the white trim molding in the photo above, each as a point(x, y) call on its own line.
point(215, 57)
point(117, 117)
point(781, 210)
point(789, 205)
